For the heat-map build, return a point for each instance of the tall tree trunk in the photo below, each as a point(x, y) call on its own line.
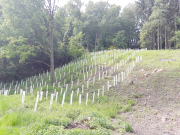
point(166, 39)
point(95, 42)
point(151, 37)
point(88, 47)
point(158, 38)
point(4, 62)
point(175, 44)
point(153, 41)
point(4, 68)
point(51, 21)
point(179, 6)
point(169, 42)
point(52, 54)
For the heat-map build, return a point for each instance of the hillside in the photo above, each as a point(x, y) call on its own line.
point(155, 91)
point(108, 92)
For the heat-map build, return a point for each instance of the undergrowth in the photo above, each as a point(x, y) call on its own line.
point(20, 119)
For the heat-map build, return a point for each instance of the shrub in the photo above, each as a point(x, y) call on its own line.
point(126, 126)
point(58, 121)
point(56, 130)
point(73, 114)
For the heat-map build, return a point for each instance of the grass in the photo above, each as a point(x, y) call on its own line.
point(157, 92)
point(95, 117)
point(138, 95)
point(154, 59)
point(18, 119)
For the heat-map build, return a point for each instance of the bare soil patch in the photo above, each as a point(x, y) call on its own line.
point(157, 102)
point(78, 126)
point(167, 59)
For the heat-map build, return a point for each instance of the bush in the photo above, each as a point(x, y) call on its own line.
point(59, 121)
point(56, 130)
point(98, 121)
point(126, 126)
point(73, 114)
point(17, 119)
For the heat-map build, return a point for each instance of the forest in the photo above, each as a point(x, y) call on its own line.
point(37, 34)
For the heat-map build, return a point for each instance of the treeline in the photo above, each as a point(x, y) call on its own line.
point(159, 22)
point(24, 33)
point(26, 28)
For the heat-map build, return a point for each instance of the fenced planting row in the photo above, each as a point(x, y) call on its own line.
point(87, 79)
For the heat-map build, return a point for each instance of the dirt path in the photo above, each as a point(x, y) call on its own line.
point(157, 102)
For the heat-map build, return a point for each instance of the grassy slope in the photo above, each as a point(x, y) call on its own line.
point(156, 95)
point(151, 94)
point(69, 119)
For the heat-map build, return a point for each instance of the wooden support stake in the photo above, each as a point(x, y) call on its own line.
point(79, 99)
point(93, 97)
point(35, 107)
point(87, 99)
point(51, 101)
point(63, 98)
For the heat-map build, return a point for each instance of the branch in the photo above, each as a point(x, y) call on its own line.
point(53, 7)
point(35, 61)
point(44, 47)
point(48, 5)
point(46, 53)
point(41, 62)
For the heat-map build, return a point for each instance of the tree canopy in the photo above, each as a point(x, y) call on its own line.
point(158, 23)
point(35, 34)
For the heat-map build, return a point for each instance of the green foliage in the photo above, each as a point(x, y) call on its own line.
point(130, 102)
point(126, 126)
point(7, 103)
point(176, 38)
point(18, 47)
point(60, 130)
point(144, 35)
point(138, 95)
point(73, 114)
point(157, 21)
point(8, 130)
point(25, 34)
point(120, 40)
point(75, 45)
point(58, 121)
point(17, 119)
point(97, 121)
point(128, 23)
point(111, 47)
point(128, 107)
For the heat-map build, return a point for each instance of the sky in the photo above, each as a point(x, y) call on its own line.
point(121, 3)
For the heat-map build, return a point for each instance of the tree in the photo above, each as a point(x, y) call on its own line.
point(110, 25)
point(159, 20)
point(160, 24)
point(75, 48)
point(120, 40)
point(145, 35)
point(94, 19)
point(128, 23)
point(146, 32)
point(143, 11)
point(26, 26)
point(176, 37)
point(51, 7)
point(73, 35)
